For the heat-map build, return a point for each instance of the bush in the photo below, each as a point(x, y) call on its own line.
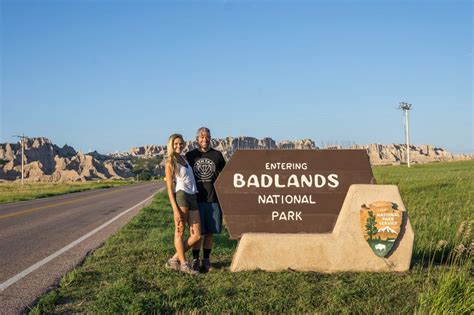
point(144, 167)
point(145, 175)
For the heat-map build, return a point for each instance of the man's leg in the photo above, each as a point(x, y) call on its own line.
point(208, 241)
point(195, 251)
point(207, 245)
point(214, 227)
point(197, 247)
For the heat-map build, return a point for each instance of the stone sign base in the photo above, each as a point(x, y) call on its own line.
point(345, 249)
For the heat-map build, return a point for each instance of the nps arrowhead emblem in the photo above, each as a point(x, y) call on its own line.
point(380, 222)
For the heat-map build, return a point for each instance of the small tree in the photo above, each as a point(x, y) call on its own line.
point(144, 167)
point(145, 175)
point(370, 227)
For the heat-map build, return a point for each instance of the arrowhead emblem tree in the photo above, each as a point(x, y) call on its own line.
point(380, 223)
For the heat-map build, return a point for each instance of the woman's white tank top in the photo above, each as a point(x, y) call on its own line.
point(184, 179)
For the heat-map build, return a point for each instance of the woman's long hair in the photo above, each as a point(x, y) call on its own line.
point(170, 152)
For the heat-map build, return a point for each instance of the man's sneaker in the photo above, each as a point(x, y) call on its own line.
point(195, 265)
point(186, 268)
point(172, 263)
point(206, 265)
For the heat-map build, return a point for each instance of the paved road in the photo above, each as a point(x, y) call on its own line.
point(36, 234)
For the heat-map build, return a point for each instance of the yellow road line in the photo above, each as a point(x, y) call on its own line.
point(55, 205)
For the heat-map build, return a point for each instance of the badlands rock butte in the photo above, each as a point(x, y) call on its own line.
point(227, 146)
point(46, 161)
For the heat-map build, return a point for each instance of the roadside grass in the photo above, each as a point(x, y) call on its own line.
point(126, 275)
point(439, 198)
point(11, 192)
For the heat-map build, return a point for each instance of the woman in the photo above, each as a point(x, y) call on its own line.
point(182, 192)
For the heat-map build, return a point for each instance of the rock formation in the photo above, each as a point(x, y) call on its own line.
point(227, 146)
point(379, 154)
point(48, 162)
point(395, 154)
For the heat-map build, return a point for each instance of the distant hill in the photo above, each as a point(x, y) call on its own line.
point(46, 161)
point(379, 154)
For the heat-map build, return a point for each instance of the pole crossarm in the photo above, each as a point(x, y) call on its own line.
point(405, 106)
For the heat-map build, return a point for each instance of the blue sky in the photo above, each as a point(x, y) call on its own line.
point(109, 75)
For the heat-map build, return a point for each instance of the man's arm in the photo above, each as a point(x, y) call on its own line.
point(222, 163)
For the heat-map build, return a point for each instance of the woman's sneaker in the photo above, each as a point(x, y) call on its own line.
point(186, 268)
point(172, 263)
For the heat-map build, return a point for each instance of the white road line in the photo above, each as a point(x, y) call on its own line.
point(40, 263)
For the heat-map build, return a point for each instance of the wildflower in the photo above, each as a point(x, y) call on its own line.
point(460, 231)
point(467, 230)
point(460, 249)
point(441, 245)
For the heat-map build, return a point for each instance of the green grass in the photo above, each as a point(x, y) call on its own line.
point(126, 275)
point(11, 192)
point(439, 198)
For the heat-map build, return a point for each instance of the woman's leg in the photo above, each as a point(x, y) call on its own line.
point(194, 222)
point(180, 224)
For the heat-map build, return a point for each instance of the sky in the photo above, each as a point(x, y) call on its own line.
point(111, 75)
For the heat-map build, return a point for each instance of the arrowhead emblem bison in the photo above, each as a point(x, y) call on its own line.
point(381, 223)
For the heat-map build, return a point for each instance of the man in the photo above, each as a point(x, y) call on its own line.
point(207, 164)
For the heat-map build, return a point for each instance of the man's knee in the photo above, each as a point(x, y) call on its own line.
point(208, 240)
point(197, 245)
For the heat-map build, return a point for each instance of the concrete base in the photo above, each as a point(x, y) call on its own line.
point(345, 249)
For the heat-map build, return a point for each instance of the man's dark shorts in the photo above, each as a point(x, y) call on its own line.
point(211, 217)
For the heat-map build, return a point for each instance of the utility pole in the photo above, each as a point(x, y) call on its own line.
point(406, 107)
point(22, 140)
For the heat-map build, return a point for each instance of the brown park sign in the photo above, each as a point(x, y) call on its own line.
point(288, 191)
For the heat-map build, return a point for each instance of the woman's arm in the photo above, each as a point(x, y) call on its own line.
point(169, 186)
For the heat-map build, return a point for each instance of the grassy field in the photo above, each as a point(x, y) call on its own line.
point(126, 275)
point(11, 192)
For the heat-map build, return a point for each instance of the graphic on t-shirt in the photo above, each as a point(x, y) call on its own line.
point(204, 169)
